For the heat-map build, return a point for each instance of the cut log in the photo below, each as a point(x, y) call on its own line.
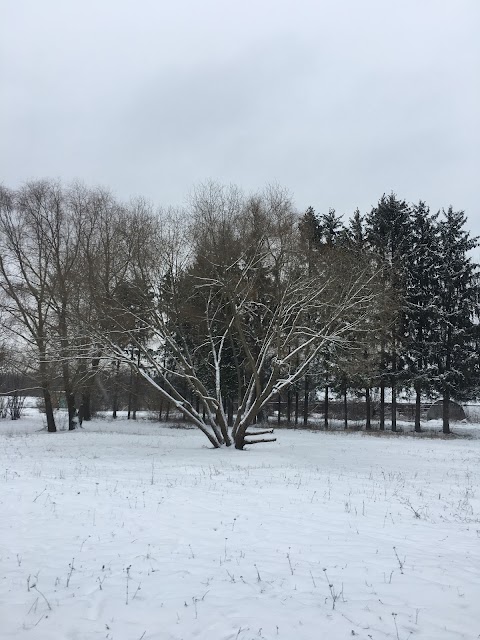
point(258, 441)
point(259, 433)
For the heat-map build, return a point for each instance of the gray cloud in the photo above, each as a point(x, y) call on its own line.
point(338, 100)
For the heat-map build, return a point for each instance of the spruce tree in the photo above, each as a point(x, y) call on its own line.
point(421, 312)
point(388, 234)
point(332, 234)
point(349, 365)
point(310, 230)
point(311, 235)
point(331, 228)
point(457, 309)
point(355, 232)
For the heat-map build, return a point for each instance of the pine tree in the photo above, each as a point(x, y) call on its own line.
point(346, 366)
point(332, 235)
point(355, 232)
point(331, 228)
point(388, 234)
point(311, 236)
point(457, 308)
point(421, 313)
point(310, 230)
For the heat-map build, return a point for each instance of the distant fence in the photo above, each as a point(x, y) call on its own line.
point(356, 410)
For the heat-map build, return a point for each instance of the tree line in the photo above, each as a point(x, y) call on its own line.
point(428, 342)
point(234, 301)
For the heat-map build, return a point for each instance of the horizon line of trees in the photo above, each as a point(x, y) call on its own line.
point(222, 308)
point(430, 344)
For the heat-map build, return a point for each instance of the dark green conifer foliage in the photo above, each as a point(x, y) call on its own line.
point(310, 229)
point(388, 235)
point(355, 232)
point(311, 234)
point(331, 228)
point(332, 234)
point(421, 312)
point(457, 309)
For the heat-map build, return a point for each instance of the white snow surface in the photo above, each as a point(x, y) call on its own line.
point(319, 535)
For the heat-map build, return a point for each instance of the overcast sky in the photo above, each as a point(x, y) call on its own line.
point(338, 100)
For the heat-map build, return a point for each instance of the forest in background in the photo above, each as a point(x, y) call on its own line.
point(233, 303)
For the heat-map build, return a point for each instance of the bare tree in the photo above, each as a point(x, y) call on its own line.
point(25, 265)
point(240, 303)
point(103, 262)
point(42, 271)
point(115, 241)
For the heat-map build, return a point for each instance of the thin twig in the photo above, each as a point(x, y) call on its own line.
point(36, 498)
point(34, 586)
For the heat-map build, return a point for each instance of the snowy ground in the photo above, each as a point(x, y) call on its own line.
point(126, 531)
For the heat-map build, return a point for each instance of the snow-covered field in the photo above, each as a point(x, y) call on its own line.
point(129, 531)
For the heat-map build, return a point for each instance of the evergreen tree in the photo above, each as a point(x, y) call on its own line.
point(355, 232)
point(310, 229)
point(332, 234)
point(457, 308)
point(311, 238)
point(346, 366)
point(421, 312)
point(331, 228)
point(388, 234)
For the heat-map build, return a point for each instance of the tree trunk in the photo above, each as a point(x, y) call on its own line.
point(305, 401)
point(136, 389)
point(394, 406)
point(115, 390)
point(297, 402)
point(345, 408)
point(230, 411)
point(418, 408)
point(51, 427)
point(71, 410)
point(81, 415)
point(368, 409)
point(394, 384)
point(289, 406)
point(88, 378)
point(325, 409)
point(64, 355)
point(15, 411)
point(135, 398)
point(130, 394)
point(239, 439)
point(69, 397)
point(382, 382)
point(279, 408)
point(87, 405)
point(382, 405)
point(241, 435)
point(446, 412)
